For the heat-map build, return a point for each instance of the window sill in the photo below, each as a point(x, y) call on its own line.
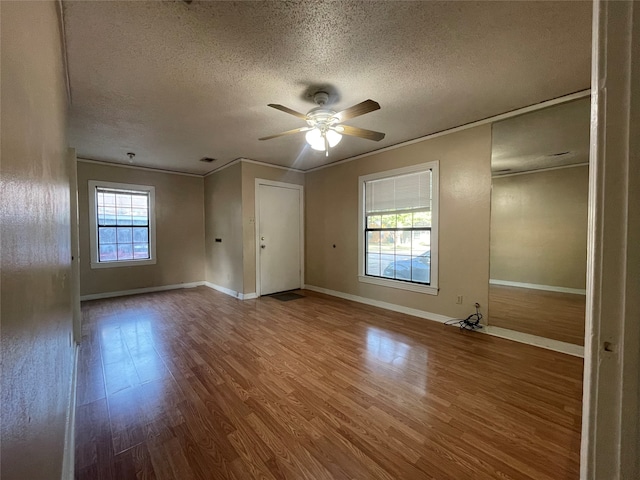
point(126, 263)
point(411, 287)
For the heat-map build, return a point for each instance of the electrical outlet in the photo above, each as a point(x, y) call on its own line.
point(459, 300)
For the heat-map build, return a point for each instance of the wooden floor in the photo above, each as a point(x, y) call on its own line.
point(194, 384)
point(555, 315)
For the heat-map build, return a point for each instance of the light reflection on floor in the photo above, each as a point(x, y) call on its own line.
point(129, 352)
point(392, 358)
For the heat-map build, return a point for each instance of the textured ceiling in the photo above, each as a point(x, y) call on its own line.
point(175, 82)
point(551, 137)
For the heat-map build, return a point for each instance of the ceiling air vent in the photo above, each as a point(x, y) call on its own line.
point(207, 160)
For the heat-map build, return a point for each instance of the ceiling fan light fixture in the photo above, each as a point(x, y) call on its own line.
point(333, 138)
point(315, 139)
point(324, 126)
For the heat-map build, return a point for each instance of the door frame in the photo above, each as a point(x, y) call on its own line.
point(611, 391)
point(293, 186)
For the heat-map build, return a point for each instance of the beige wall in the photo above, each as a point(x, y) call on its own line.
point(539, 228)
point(251, 171)
point(223, 219)
point(230, 215)
point(332, 218)
point(36, 316)
point(179, 214)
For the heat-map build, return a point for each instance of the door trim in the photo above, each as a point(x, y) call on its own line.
point(611, 392)
point(293, 186)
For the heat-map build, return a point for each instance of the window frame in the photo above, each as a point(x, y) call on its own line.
point(431, 289)
point(150, 190)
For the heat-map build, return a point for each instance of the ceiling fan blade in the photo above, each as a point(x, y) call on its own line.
point(288, 132)
point(284, 109)
point(357, 110)
point(360, 132)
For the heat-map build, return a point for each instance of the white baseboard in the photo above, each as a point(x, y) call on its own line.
point(68, 459)
point(535, 286)
point(135, 291)
point(436, 317)
point(233, 293)
point(549, 344)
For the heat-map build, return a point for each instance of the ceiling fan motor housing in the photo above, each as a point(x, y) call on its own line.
point(321, 117)
point(321, 98)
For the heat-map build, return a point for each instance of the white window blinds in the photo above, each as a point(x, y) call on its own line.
point(404, 193)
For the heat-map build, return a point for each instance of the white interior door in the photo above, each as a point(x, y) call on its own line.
point(279, 241)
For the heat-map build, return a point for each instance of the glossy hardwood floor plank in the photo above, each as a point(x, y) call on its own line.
point(194, 384)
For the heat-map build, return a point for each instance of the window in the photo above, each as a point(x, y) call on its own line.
point(122, 224)
point(398, 228)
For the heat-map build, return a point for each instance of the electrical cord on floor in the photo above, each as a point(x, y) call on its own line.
point(472, 322)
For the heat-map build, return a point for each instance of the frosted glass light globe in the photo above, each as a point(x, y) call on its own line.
point(333, 138)
point(316, 140)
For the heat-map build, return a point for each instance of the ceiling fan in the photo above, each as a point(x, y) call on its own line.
point(325, 127)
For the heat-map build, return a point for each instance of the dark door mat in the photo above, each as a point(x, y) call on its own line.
point(285, 297)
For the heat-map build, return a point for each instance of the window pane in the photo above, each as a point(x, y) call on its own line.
point(421, 241)
point(373, 242)
point(374, 221)
point(124, 217)
point(109, 216)
point(387, 242)
point(140, 235)
point(373, 254)
point(373, 264)
point(403, 242)
point(139, 201)
point(389, 221)
point(125, 235)
point(421, 271)
point(107, 253)
point(421, 257)
point(388, 264)
point(124, 212)
point(123, 200)
point(404, 220)
point(125, 252)
point(141, 250)
point(422, 219)
point(106, 235)
point(140, 216)
point(402, 267)
point(108, 198)
point(100, 215)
